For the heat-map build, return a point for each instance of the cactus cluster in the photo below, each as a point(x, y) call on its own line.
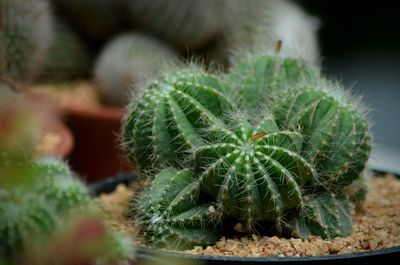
point(272, 144)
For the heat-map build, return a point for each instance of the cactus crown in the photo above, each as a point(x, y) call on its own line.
point(271, 144)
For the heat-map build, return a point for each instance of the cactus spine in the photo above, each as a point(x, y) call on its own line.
point(171, 213)
point(165, 126)
point(125, 62)
point(25, 36)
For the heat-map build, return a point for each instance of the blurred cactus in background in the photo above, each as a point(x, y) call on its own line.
point(25, 36)
point(128, 61)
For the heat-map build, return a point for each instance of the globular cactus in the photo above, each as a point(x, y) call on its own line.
point(68, 57)
point(25, 36)
point(125, 62)
point(325, 214)
point(185, 24)
point(255, 80)
point(253, 173)
point(166, 124)
point(336, 132)
point(98, 20)
point(171, 214)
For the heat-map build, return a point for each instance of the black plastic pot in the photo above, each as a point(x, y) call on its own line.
point(155, 256)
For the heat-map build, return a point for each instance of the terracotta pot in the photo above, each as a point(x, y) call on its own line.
point(97, 153)
point(56, 138)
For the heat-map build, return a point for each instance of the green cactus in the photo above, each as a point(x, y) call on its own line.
point(337, 138)
point(185, 24)
point(25, 36)
point(254, 173)
point(164, 126)
point(98, 20)
point(125, 62)
point(68, 57)
point(255, 80)
point(170, 212)
point(325, 214)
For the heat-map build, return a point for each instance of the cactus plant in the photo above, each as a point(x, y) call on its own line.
point(185, 24)
point(254, 173)
point(125, 62)
point(171, 214)
point(68, 57)
point(165, 125)
point(25, 36)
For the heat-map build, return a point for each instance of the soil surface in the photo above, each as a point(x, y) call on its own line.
point(376, 226)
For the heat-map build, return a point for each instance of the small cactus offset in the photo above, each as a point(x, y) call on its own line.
point(166, 124)
point(25, 36)
point(337, 138)
point(254, 173)
point(325, 214)
point(171, 213)
point(125, 62)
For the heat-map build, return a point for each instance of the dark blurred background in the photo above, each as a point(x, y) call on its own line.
point(360, 45)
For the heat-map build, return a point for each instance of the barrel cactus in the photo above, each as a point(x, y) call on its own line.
point(254, 173)
point(25, 37)
point(125, 62)
point(166, 124)
point(171, 213)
